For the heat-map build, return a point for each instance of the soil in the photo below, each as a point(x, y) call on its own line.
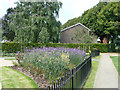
point(38, 79)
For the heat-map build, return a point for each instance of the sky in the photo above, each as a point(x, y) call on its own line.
point(70, 8)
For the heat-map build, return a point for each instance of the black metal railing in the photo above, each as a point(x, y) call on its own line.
point(75, 78)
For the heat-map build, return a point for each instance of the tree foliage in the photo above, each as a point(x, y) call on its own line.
point(43, 36)
point(84, 36)
point(7, 33)
point(0, 31)
point(31, 18)
point(108, 20)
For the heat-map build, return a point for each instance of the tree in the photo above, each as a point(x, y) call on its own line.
point(90, 20)
point(0, 31)
point(30, 18)
point(84, 36)
point(43, 36)
point(9, 34)
point(70, 22)
point(108, 21)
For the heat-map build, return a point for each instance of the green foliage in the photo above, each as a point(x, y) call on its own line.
point(7, 32)
point(28, 20)
point(52, 62)
point(4, 54)
point(12, 47)
point(108, 21)
point(43, 36)
point(9, 58)
point(71, 22)
point(115, 60)
point(83, 36)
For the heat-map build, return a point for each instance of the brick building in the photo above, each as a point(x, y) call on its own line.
point(67, 34)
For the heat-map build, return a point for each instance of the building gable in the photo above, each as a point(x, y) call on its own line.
point(67, 34)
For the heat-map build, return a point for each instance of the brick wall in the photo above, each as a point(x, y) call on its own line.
point(67, 35)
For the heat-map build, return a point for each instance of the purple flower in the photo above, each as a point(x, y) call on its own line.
point(18, 52)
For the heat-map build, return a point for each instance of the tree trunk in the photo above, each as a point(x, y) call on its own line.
point(101, 39)
point(112, 40)
point(108, 40)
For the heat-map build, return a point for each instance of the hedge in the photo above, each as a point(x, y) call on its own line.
point(12, 47)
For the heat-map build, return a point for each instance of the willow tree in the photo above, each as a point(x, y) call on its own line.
point(6, 19)
point(31, 18)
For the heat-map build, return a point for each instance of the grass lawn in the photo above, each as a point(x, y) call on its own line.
point(116, 61)
point(9, 58)
point(97, 57)
point(9, 54)
point(11, 78)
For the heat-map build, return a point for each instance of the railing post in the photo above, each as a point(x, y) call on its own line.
point(48, 88)
point(72, 78)
point(54, 86)
point(90, 60)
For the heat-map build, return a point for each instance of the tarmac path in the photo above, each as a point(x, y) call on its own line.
point(107, 75)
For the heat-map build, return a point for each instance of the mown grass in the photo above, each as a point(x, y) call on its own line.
point(97, 57)
point(115, 60)
point(11, 78)
point(8, 54)
point(9, 58)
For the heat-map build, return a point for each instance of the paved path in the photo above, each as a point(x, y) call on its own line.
point(107, 76)
point(0, 86)
point(5, 63)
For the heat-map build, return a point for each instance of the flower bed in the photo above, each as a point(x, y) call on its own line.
point(52, 62)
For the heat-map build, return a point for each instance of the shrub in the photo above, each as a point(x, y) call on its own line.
point(11, 47)
point(53, 62)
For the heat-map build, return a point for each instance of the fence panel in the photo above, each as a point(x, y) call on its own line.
point(74, 78)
